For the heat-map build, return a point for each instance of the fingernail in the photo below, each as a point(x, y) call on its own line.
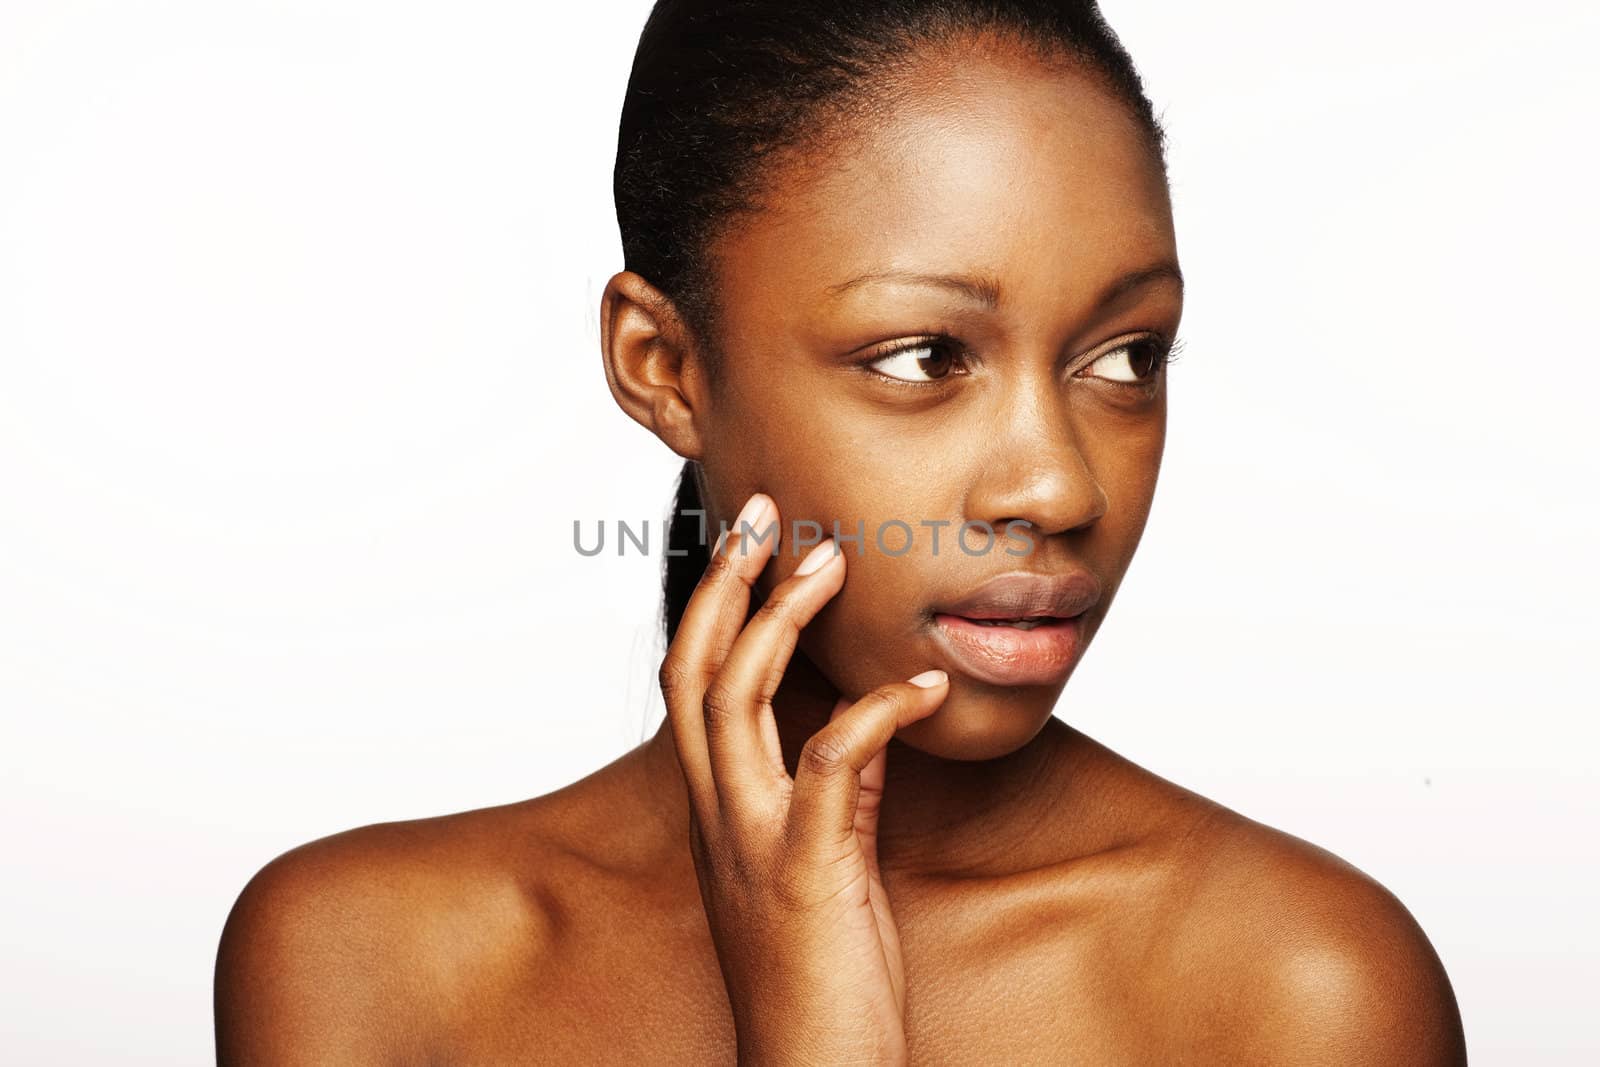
point(929, 679)
point(749, 516)
point(753, 510)
point(816, 558)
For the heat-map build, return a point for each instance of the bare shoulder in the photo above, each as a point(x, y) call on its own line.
point(1286, 953)
point(368, 945)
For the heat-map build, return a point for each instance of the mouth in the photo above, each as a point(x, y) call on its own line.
point(1030, 623)
point(1029, 651)
point(1018, 629)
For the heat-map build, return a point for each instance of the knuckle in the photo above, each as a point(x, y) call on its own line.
point(886, 699)
point(783, 609)
point(735, 857)
point(673, 676)
point(824, 754)
point(743, 865)
point(719, 706)
point(718, 569)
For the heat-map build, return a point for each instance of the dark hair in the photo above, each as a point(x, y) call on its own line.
point(719, 88)
point(684, 535)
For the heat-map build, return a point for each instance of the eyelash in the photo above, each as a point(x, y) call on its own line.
point(1166, 355)
point(937, 339)
point(933, 339)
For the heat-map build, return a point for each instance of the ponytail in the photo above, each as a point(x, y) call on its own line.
point(681, 573)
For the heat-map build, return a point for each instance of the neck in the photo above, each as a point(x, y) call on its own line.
point(939, 817)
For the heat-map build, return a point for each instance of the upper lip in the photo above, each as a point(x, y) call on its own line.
point(1023, 594)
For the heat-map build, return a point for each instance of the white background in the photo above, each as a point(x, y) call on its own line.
point(300, 393)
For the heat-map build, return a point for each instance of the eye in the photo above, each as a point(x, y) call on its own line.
point(1132, 363)
point(919, 362)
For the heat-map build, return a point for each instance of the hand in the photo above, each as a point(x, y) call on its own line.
point(788, 868)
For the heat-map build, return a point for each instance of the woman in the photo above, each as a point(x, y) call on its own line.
point(904, 273)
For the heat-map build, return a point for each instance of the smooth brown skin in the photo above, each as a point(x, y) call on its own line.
point(1052, 901)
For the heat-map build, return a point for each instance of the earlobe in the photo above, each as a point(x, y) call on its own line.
point(649, 360)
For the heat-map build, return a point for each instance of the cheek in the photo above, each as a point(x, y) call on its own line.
point(868, 634)
point(826, 462)
point(1125, 457)
point(1128, 466)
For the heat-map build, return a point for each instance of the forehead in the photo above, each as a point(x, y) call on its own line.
point(987, 163)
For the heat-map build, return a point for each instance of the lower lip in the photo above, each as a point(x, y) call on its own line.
point(1006, 655)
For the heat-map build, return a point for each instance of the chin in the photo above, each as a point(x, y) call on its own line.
point(982, 722)
point(979, 720)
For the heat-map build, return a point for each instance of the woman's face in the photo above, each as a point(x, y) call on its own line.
point(957, 316)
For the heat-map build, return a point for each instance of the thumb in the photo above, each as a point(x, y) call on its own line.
point(844, 761)
point(869, 798)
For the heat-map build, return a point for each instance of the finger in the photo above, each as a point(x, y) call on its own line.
point(872, 774)
point(869, 800)
point(711, 620)
point(741, 735)
point(868, 803)
point(827, 782)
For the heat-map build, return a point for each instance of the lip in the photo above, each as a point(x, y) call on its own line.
point(1003, 655)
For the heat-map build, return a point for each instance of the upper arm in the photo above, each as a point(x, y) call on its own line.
point(303, 970)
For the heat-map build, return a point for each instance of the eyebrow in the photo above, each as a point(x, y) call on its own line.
point(985, 290)
point(1165, 271)
point(980, 289)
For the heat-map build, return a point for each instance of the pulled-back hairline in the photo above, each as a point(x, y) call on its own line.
point(834, 122)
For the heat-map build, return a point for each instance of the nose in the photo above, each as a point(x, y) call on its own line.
point(1035, 471)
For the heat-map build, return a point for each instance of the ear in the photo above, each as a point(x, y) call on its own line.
point(652, 368)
